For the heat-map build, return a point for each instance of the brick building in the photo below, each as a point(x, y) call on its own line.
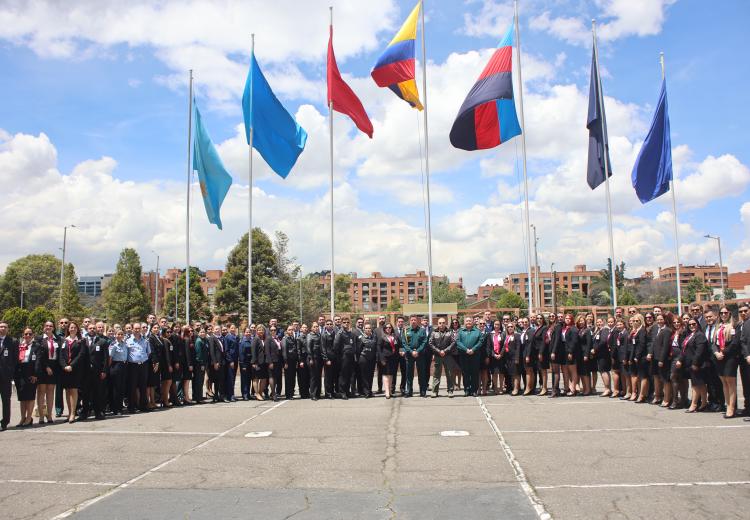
point(376, 292)
point(209, 281)
point(568, 282)
point(709, 274)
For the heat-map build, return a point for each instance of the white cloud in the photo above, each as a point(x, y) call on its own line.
point(712, 179)
point(570, 29)
point(493, 19)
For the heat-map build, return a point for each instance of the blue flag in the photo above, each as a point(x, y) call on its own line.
point(598, 140)
point(276, 135)
point(653, 167)
point(212, 176)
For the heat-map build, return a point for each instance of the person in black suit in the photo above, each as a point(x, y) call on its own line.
point(743, 332)
point(511, 348)
point(73, 359)
point(8, 362)
point(726, 356)
point(290, 354)
point(556, 351)
point(49, 373)
point(585, 364)
point(389, 347)
point(695, 358)
point(275, 363)
point(571, 351)
point(528, 356)
point(27, 368)
point(661, 347)
point(92, 388)
point(259, 351)
point(314, 351)
point(715, 388)
point(540, 346)
point(641, 367)
point(679, 375)
point(216, 363)
point(601, 354)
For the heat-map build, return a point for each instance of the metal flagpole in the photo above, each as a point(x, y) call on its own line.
point(674, 220)
point(250, 197)
point(187, 218)
point(613, 272)
point(525, 175)
point(330, 135)
point(427, 174)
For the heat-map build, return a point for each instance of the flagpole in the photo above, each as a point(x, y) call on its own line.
point(525, 174)
point(674, 215)
point(250, 198)
point(330, 144)
point(187, 218)
point(613, 267)
point(427, 174)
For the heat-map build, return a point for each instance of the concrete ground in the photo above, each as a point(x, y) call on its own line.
point(508, 457)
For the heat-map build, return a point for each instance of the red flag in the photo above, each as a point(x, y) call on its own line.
point(343, 97)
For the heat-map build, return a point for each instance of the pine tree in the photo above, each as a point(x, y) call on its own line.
point(125, 297)
point(71, 303)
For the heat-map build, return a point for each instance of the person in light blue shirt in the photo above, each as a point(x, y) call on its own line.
point(139, 351)
point(118, 357)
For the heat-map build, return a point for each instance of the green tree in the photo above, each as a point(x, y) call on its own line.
point(71, 306)
point(694, 286)
point(273, 281)
point(342, 302)
point(16, 318)
point(505, 299)
point(442, 292)
point(41, 282)
point(199, 305)
point(729, 294)
point(394, 305)
point(315, 300)
point(574, 299)
point(125, 297)
point(38, 317)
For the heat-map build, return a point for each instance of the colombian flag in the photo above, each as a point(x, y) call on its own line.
point(395, 67)
point(487, 117)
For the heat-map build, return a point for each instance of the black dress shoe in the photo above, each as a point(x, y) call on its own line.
point(4, 427)
point(99, 417)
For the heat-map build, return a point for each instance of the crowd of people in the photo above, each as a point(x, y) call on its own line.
point(93, 369)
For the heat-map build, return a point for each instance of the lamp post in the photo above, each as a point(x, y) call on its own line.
point(300, 295)
point(62, 268)
point(554, 290)
point(156, 290)
point(22, 280)
point(721, 263)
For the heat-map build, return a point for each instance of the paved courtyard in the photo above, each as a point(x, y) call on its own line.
point(497, 457)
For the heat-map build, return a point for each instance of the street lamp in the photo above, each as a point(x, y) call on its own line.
point(22, 280)
point(156, 296)
point(721, 268)
point(62, 268)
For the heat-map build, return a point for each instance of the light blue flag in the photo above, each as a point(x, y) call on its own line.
point(212, 176)
point(276, 135)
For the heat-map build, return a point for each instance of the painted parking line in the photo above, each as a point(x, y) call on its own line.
point(56, 482)
point(647, 484)
point(527, 489)
point(637, 429)
point(116, 432)
point(92, 501)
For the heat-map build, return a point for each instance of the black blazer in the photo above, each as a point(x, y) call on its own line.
point(74, 354)
point(662, 345)
point(571, 340)
point(289, 350)
point(599, 343)
point(514, 347)
point(314, 347)
point(367, 347)
point(527, 344)
point(24, 371)
point(638, 347)
point(745, 338)
point(259, 351)
point(215, 350)
point(732, 346)
point(489, 344)
point(696, 352)
point(8, 358)
point(98, 355)
point(160, 351)
point(537, 341)
point(556, 346)
point(385, 351)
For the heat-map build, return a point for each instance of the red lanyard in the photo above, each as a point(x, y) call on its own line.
point(507, 342)
point(393, 343)
point(684, 343)
point(721, 339)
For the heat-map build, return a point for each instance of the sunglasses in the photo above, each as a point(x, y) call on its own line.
point(27, 334)
point(724, 312)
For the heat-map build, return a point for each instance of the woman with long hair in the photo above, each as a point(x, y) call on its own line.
point(585, 342)
point(572, 351)
point(275, 364)
point(457, 374)
point(641, 368)
point(695, 358)
point(662, 348)
point(49, 372)
point(259, 361)
point(726, 351)
point(389, 346)
point(601, 354)
point(618, 349)
point(494, 347)
point(27, 368)
point(556, 351)
point(679, 375)
point(539, 342)
point(72, 361)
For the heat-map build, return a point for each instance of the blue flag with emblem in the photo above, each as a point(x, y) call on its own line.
point(653, 168)
point(276, 135)
point(213, 177)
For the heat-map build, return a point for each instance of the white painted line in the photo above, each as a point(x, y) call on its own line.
point(92, 501)
point(647, 484)
point(128, 432)
point(454, 433)
point(20, 481)
point(257, 435)
point(539, 508)
point(550, 403)
point(645, 428)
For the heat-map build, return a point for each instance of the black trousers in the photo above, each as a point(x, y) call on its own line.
point(379, 370)
point(6, 389)
point(277, 374)
point(366, 373)
point(715, 388)
point(246, 381)
point(59, 402)
point(230, 379)
point(331, 373)
point(290, 378)
point(745, 378)
point(218, 377)
point(137, 379)
point(199, 377)
point(92, 394)
point(303, 380)
point(316, 369)
point(470, 370)
point(345, 374)
point(402, 370)
point(116, 382)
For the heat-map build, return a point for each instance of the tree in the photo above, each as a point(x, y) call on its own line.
point(199, 305)
point(342, 302)
point(16, 318)
point(273, 281)
point(694, 286)
point(71, 306)
point(315, 300)
point(394, 305)
point(574, 299)
point(653, 291)
point(600, 288)
point(41, 282)
point(442, 292)
point(729, 294)
point(125, 297)
point(38, 317)
point(505, 299)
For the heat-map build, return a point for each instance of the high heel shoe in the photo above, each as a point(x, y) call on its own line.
point(703, 408)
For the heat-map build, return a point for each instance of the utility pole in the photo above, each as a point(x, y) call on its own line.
point(62, 268)
point(554, 289)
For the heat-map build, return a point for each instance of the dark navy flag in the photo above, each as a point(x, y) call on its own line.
point(653, 167)
point(597, 132)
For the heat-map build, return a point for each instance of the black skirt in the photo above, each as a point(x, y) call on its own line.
point(497, 366)
point(25, 389)
point(391, 366)
point(697, 377)
point(603, 363)
point(153, 377)
point(677, 373)
point(664, 372)
point(544, 362)
point(71, 379)
point(642, 368)
point(727, 367)
point(45, 378)
point(512, 368)
point(260, 371)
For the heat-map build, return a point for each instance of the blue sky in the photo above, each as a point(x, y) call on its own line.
point(111, 100)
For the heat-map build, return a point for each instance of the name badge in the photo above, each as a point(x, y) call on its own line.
point(63, 346)
point(97, 348)
point(171, 348)
point(597, 337)
point(33, 357)
point(5, 353)
point(633, 341)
